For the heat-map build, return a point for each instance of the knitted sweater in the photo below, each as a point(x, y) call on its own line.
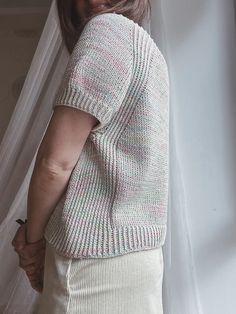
point(117, 196)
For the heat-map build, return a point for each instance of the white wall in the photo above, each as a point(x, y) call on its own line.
point(201, 47)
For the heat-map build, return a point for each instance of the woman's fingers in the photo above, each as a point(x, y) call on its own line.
point(37, 275)
point(35, 272)
point(37, 285)
point(36, 279)
point(34, 265)
point(30, 273)
point(19, 240)
point(31, 249)
point(36, 259)
point(30, 269)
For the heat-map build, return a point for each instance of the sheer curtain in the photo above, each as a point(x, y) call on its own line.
point(17, 156)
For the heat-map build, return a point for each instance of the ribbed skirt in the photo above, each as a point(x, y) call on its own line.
point(125, 284)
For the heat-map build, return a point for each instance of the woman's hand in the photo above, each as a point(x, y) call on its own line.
point(31, 257)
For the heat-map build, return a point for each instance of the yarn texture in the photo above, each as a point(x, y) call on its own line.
point(117, 196)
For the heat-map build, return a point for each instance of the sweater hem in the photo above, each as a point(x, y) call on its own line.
point(120, 240)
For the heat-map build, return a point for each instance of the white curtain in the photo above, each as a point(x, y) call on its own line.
point(22, 138)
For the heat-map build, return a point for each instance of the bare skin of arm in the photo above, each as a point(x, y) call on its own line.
point(57, 155)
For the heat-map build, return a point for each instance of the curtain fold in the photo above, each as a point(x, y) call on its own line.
point(18, 150)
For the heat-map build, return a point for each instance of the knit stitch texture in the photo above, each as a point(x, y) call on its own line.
point(117, 196)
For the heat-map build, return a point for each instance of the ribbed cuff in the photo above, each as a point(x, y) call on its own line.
point(74, 97)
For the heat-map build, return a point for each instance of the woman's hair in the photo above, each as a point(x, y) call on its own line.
point(72, 26)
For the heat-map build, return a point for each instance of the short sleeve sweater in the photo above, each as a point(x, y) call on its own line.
point(117, 195)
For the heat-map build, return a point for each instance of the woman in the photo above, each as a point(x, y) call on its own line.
point(97, 201)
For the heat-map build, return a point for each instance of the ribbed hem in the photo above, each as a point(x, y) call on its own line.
point(75, 97)
point(116, 240)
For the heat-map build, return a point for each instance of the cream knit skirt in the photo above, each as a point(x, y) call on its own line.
point(126, 284)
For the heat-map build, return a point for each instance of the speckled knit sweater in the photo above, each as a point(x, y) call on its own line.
point(117, 196)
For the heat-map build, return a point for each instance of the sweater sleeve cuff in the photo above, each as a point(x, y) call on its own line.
point(77, 98)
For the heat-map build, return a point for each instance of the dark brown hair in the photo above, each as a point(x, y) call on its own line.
point(72, 26)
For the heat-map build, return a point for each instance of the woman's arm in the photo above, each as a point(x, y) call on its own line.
point(58, 153)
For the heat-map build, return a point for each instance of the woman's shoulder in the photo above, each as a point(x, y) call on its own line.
point(109, 22)
point(115, 23)
point(110, 16)
point(109, 29)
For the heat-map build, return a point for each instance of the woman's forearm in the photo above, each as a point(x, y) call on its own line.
point(47, 184)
